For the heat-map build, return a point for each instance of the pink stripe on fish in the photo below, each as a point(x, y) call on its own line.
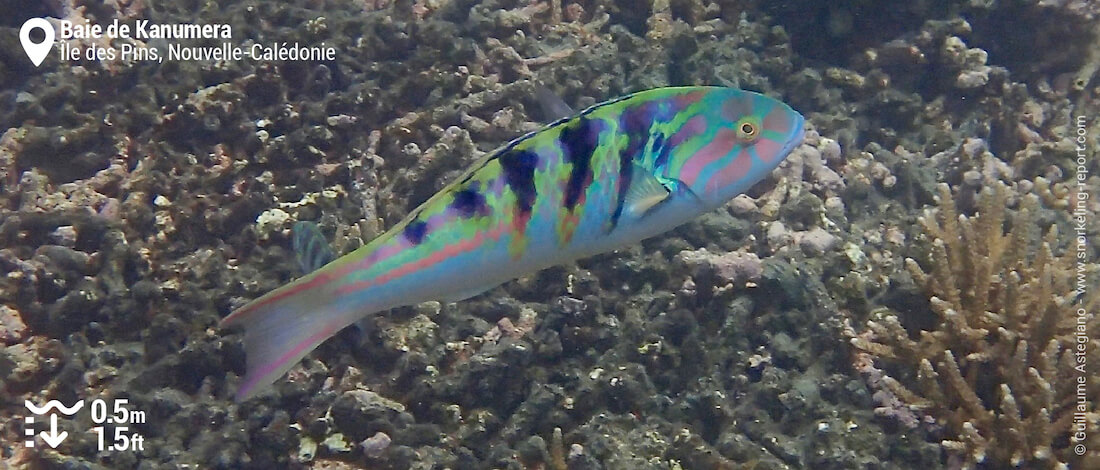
point(733, 110)
point(768, 149)
point(779, 121)
point(381, 254)
point(440, 255)
point(693, 127)
point(736, 170)
point(318, 280)
point(688, 99)
point(384, 252)
point(724, 142)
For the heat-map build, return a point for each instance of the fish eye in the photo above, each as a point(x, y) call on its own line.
point(747, 130)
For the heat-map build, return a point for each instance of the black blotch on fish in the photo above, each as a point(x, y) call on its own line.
point(468, 201)
point(414, 232)
point(661, 149)
point(578, 142)
point(636, 123)
point(518, 167)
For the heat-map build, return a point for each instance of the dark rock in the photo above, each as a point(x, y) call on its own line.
point(360, 414)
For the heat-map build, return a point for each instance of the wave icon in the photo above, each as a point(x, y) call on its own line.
point(67, 411)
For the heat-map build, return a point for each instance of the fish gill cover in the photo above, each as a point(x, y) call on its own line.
point(809, 323)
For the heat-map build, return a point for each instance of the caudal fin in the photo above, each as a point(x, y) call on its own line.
point(283, 326)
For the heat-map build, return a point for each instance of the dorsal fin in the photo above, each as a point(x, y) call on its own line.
point(553, 107)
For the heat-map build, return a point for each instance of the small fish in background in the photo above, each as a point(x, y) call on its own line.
point(312, 251)
point(311, 248)
point(616, 173)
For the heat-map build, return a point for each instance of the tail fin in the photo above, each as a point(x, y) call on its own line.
point(283, 326)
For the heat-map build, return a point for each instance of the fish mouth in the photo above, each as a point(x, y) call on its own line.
point(797, 136)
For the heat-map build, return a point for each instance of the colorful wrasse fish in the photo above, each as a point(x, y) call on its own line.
point(616, 173)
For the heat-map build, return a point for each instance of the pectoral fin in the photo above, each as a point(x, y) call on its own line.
point(645, 192)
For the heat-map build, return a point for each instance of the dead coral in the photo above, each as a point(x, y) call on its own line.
point(996, 368)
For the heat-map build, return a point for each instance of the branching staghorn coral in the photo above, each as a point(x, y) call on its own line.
point(996, 370)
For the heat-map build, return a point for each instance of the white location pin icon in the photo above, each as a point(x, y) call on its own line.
point(37, 52)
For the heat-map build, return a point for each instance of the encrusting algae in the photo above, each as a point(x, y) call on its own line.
point(995, 369)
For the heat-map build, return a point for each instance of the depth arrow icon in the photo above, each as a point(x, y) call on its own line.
point(53, 438)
